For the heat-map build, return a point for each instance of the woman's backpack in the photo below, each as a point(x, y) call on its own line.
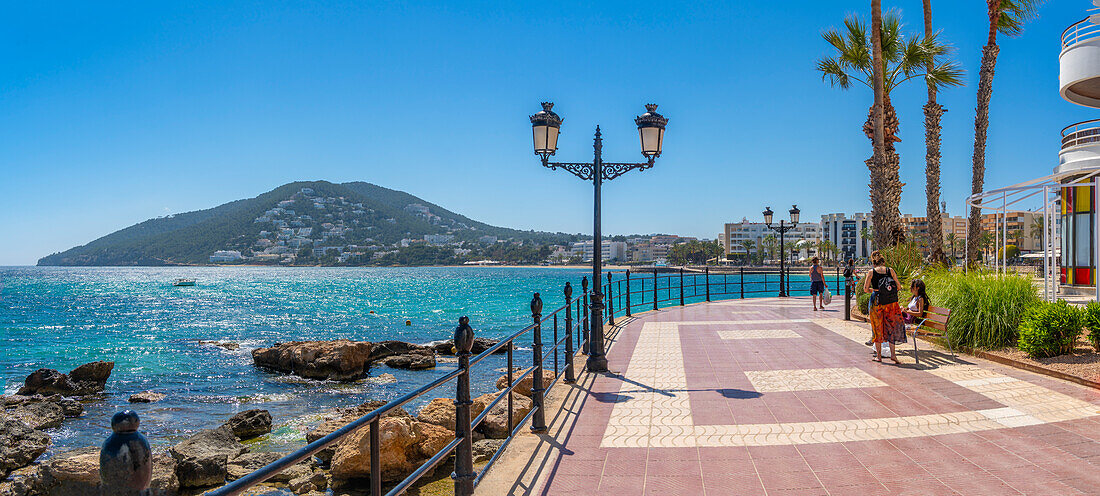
point(887, 285)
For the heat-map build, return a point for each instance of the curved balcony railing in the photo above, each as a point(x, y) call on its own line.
point(1081, 31)
point(1081, 133)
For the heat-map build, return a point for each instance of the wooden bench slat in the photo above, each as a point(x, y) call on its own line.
point(935, 325)
point(931, 317)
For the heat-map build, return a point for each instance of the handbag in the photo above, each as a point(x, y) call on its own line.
point(826, 297)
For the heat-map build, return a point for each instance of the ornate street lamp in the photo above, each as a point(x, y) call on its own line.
point(545, 126)
point(782, 229)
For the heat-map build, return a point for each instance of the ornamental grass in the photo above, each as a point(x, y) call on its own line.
point(986, 308)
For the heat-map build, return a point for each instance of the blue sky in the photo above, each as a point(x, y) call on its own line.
point(112, 114)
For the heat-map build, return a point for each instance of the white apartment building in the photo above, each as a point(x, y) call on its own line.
point(222, 256)
point(609, 250)
point(736, 233)
point(847, 233)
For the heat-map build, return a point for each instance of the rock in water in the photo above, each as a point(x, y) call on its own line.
point(524, 386)
point(164, 482)
point(73, 473)
point(486, 448)
point(19, 445)
point(340, 360)
point(345, 417)
point(247, 463)
point(495, 425)
point(405, 443)
point(38, 416)
point(402, 355)
point(201, 460)
point(146, 397)
point(441, 412)
point(86, 379)
point(250, 423)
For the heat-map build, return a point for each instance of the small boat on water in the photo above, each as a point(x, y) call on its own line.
point(184, 282)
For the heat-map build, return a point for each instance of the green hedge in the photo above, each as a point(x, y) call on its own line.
point(1050, 329)
point(986, 308)
point(1092, 323)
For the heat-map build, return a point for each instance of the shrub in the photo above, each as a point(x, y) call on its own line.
point(1050, 329)
point(986, 308)
point(1092, 323)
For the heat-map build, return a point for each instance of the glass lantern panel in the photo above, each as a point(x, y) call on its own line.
point(1082, 199)
point(651, 140)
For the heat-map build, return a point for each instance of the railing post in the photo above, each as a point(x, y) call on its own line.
point(654, 287)
point(464, 474)
point(628, 292)
point(610, 301)
point(742, 283)
point(706, 281)
point(375, 458)
point(570, 377)
point(848, 300)
point(681, 286)
point(125, 460)
point(538, 421)
point(556, 369)
point(584, 325)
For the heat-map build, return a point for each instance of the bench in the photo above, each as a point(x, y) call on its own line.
point(934, 324)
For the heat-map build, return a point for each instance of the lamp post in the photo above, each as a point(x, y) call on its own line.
point(545, 127)
point(782, 229)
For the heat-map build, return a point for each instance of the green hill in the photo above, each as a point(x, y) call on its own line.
point(292, 219)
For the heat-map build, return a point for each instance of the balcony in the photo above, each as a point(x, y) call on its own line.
point(1080, 147)
point(1079, 75)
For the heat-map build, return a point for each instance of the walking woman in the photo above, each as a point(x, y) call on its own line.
point(886, 317)
point(817, 284)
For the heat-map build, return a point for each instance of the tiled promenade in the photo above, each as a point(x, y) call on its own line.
point(765, 396)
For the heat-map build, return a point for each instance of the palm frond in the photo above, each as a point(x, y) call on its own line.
point(1016, 13)
point(833, 71)
point(947, 73)
point(893, 40)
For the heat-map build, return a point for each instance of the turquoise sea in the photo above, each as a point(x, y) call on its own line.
point(62, 317)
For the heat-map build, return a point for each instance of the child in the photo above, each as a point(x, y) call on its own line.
point(918, 303)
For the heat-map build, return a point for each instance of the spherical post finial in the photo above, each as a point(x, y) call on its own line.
point(608, 277)
point(584, 284)
point(125, 421)
point(568, 290)
point(536, 305)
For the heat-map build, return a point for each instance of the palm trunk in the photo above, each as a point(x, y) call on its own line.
point(981, 126)
point(885, 184)
point(880, 190)
point(933, 114)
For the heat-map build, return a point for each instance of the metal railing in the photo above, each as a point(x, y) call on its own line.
point(1080, 31)
point(1081, 133)
point(622, 296)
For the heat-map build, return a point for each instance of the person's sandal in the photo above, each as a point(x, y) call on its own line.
point(869, 342)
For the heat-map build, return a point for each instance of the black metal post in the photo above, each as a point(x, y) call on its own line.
point(556, 369)
point(742, 283)
point(706, 281)
point(848, 299)
point(125, 459)
point(511, 379)
point(464, 474)
point(584, 295)
point(681, 286)
point(782, 232)
point(597, 362)
point(654, 287)
point(570, 377)
point(610, 307)
point(538, 420)
point(628, 292)
point(375, 458)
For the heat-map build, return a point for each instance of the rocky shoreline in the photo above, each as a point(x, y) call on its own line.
point(212, 457)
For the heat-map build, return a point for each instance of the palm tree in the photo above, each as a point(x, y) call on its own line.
point(901, 60)
point(951, 238)
point(748, 245)
point(1037, 228)
point(1007, 17)
point(770, 243)
point(933, 114)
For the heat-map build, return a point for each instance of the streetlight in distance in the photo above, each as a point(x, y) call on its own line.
point(545, 127)
point(782, 229)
